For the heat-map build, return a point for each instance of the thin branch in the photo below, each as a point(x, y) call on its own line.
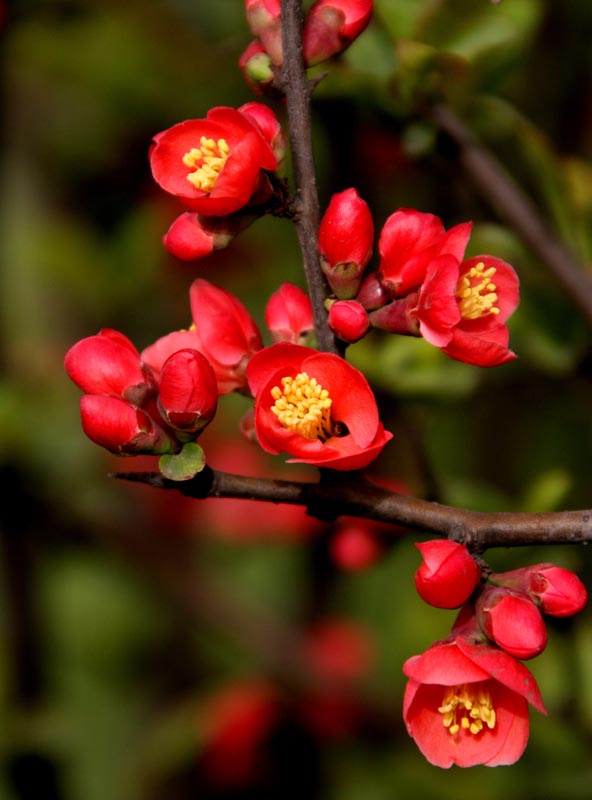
point(353, 495)
point(515, 207)
point(297, 90)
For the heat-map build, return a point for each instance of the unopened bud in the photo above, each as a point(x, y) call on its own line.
point(348, 320)
point(448, 575)
point(331, 26)
point(288, 315)
point(187, 391)
point(512, 621)
point(264, 19)
point(120, 427)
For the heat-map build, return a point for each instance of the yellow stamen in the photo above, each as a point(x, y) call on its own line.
point(206, 162)
point(468, 708)
point(302, 405)
point(476, 293)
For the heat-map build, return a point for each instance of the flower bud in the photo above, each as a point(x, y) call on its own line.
point(187, 391)
point(264, 20)
point(348, 320)
point(512, 621)
point(346, 233)
point(371, 294)
point(448, 575)
point(192, 236)
point(331, 26)
point(288, 314)
point(121, 427)
point(256, 66)
point(557, 591)
point(109, 364)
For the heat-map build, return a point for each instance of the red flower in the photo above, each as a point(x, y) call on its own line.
point(223, 331)
point(120, 427)
point(463, 309)
point(557, 591)
point(409, 241)
point(448, 575)
point(109, 364)
point(314, 406)
point(288, 314)
point(467, 704)
point(512, 621)
point(332, 25)
point(212, 165)
point(346, 233)
point(187, 391)
point(348, 320)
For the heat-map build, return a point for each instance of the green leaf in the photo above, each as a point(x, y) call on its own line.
point(184, 465)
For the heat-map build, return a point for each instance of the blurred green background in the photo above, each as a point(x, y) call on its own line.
point(104, 677)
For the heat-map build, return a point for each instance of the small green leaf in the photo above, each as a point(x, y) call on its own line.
point(184, 465)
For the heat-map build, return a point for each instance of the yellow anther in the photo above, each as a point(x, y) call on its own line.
point(476, 294)
point(303, 406)
point(206, 162)
point(467, 708)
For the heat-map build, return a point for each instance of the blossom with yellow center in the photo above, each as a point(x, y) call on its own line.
point(206, 162)
point(303, 406)
point(467, 707)
point(476, 294)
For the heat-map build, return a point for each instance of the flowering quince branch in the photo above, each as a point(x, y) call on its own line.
point(467, 696)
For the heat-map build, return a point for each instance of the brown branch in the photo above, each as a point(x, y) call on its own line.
point(353, 495)
point(516, 208)
point(297, 90)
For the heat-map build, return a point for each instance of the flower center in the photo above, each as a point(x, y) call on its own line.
point(467, 707)
point(206, 162)
point(302, 405)
point(476, 293)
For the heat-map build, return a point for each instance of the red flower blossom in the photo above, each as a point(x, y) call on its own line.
point(409, 241)
point(314, 406)
point(467, 704)
point(223, 331)
point(463, 309)
point(331, 26)
point(448, 575)
point(288, 314)
point(109, 364)
point(212, 165)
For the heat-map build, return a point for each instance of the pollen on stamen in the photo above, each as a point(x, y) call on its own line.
point(303, 406)
point(476, 294)
point(206, 162)
point(463, 709)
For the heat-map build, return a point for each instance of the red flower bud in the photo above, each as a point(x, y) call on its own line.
point(187, 391)
point(191, 237)
point(348, 320)
point(346, 233)
point(109, 364)
point(256, 66)
point(121, 427)
point(288, 314)
point(448, 575)
point(264, 20)
point(512, 621)
point(557, 591)
point(332, 25)
point(371, 295)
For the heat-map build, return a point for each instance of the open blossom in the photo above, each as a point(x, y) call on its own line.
point(315, 407)
point(409, 241)
point(212, 165)
point(467, 703)
point(463, 308)
point(222, 330)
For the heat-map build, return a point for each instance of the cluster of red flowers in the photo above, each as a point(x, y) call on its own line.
point(422, 286)
point(467, 697)
point(314, 406)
